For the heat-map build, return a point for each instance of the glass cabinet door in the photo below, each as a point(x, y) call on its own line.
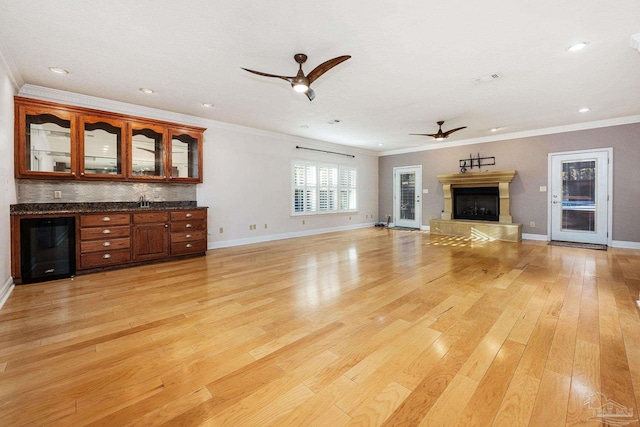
point(147, 151)
point(49, 147)
point(185, 155)
point(101, 147)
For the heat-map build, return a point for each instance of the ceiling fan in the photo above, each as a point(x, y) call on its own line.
point(300, 82)
point(440, 135)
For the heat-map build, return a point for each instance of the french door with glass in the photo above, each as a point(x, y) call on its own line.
point(579, 197)
point(407, 200)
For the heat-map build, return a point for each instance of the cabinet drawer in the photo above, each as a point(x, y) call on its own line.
point(188, 236)
point(188, 247)
point(97, 220)
point(100, 259)
point(188, 215)
point(105, 245)
point(150, 217)
point(186, 226)
point(102, 232)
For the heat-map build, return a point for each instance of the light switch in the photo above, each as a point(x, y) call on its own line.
point(543, 188)
point(425, 191)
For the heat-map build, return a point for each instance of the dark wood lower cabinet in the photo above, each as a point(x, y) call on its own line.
point(114, 240)
point(150, 240)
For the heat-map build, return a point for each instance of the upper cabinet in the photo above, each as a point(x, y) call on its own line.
point(101, 146)
point(46, 148)
point(185, 155)
point(59, 141)
point(148, 142)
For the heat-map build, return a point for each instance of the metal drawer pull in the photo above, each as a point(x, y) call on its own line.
point(106, 256)
point(106, 244)
point(106, 219)
point(188, 236)
point(189, 215)
point(189, 245)
point(106, 231)
point(188, 226)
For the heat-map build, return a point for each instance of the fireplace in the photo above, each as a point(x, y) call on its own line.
point(476, 203)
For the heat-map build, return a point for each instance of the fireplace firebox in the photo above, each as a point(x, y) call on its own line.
point(476, 203)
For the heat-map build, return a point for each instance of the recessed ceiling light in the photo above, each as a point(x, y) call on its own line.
point(145, 90)
point(577, 46)
point(584, 110)
point(380, 145)
point(494, 129)
point(58, 70)
point(207, 105)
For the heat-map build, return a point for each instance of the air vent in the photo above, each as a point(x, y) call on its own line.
point(487, 78)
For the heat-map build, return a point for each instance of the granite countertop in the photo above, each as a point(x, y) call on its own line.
point(67, 208)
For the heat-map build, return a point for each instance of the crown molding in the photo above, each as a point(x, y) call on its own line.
point(524, 134)
point(87, 101)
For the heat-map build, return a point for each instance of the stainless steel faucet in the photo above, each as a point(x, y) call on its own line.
point(143, 203)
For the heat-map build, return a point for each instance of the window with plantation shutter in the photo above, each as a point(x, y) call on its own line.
point(348, 189)
point(323, 188)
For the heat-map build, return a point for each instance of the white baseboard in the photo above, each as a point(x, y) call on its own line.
point(272, 237)
point(541, 237)
point(625, 245)
point(614, 243)
point(5, 291)
point(425, 228)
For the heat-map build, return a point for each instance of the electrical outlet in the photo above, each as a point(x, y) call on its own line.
point(303, 222)
point(57, 194)
point(221, 230)
point(532, 224)
point(265, 226)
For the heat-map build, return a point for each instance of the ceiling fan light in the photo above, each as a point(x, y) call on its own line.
point(439, 138)
point(300, 87)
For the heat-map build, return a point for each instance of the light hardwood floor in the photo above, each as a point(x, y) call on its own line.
point(366, 327)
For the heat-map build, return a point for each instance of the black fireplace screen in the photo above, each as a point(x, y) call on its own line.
point(480, 203)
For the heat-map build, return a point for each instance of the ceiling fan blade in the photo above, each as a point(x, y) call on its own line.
point(425, 134)
point(326, 66)
point(449, 132)
point(289, 79)
point(310, 94)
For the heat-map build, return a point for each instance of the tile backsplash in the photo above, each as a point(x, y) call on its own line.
point(43, 191)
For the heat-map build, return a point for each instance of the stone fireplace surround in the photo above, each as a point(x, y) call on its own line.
point(504, 229)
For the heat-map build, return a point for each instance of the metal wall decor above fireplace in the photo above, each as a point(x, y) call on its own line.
point(476, 203)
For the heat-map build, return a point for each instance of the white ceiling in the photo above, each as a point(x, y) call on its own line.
point(413, 62)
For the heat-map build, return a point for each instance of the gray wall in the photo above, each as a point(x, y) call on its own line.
point(529, 156)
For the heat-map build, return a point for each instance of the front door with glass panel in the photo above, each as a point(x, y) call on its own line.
point(407, 192)
point(579, 194)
